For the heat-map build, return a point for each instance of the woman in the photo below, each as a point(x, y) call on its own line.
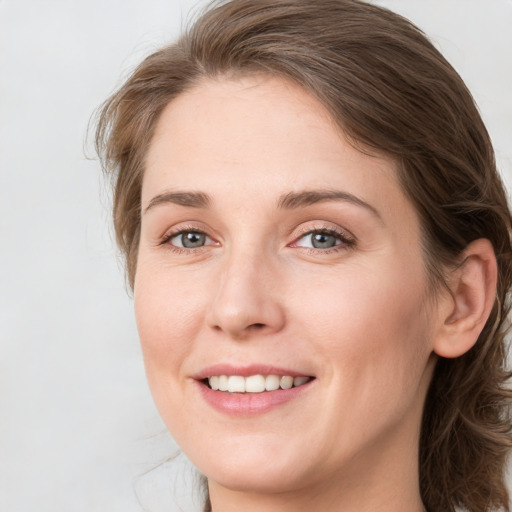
point(319, 247)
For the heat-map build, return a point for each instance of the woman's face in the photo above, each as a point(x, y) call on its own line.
point(271, 248)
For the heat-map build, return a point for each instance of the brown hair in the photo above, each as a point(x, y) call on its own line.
point(390, 90)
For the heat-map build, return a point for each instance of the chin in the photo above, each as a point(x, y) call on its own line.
point(255, 470)
point(264, 479)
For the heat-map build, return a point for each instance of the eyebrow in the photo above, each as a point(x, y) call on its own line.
point(289, 201)
point(190, 199)
point(294, 200)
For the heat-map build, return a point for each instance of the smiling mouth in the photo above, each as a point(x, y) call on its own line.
point(254, 383)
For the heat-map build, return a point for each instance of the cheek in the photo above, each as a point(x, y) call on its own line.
point(371, 322)
point(372, 332)
point(167, 320)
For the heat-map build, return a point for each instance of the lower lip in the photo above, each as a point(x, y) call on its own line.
point(244, 404)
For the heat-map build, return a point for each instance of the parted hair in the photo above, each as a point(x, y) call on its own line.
point(391, 91)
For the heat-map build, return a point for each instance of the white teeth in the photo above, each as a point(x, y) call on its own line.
point(214, 382)
point(271, 383)
point(254, 383)
point(298, 381)
point(286, 382)
point(236, 384)
point(223, 383)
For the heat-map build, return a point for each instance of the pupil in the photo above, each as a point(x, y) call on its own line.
point(191, 240)
point(323, 241)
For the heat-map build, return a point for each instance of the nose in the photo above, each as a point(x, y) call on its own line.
point(247, 301)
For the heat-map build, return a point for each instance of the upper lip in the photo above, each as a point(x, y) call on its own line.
point(247, 371)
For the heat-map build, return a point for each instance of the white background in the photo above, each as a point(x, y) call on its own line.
point(77, 425)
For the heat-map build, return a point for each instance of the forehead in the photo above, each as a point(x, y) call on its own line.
point(260, 134)
point(232, 117)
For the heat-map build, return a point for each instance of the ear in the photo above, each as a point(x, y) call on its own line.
point(465, 312)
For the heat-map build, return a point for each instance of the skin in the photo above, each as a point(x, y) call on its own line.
point(358, 317)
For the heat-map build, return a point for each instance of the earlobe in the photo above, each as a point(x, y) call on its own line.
point(465, 312)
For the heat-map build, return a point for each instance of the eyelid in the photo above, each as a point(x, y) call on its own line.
point(346, 238)
point(186, 228)
point(325, 228)
point(180, 234)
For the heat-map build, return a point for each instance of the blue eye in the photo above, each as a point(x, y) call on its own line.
point(319, 240)
point(189, 239)
point(324, 239)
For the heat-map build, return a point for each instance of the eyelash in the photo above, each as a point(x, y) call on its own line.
point(182, 230)
point(346, 241)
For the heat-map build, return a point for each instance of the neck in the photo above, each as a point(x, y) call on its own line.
point(383, 476)
point(386, 481)
point(394, 501)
